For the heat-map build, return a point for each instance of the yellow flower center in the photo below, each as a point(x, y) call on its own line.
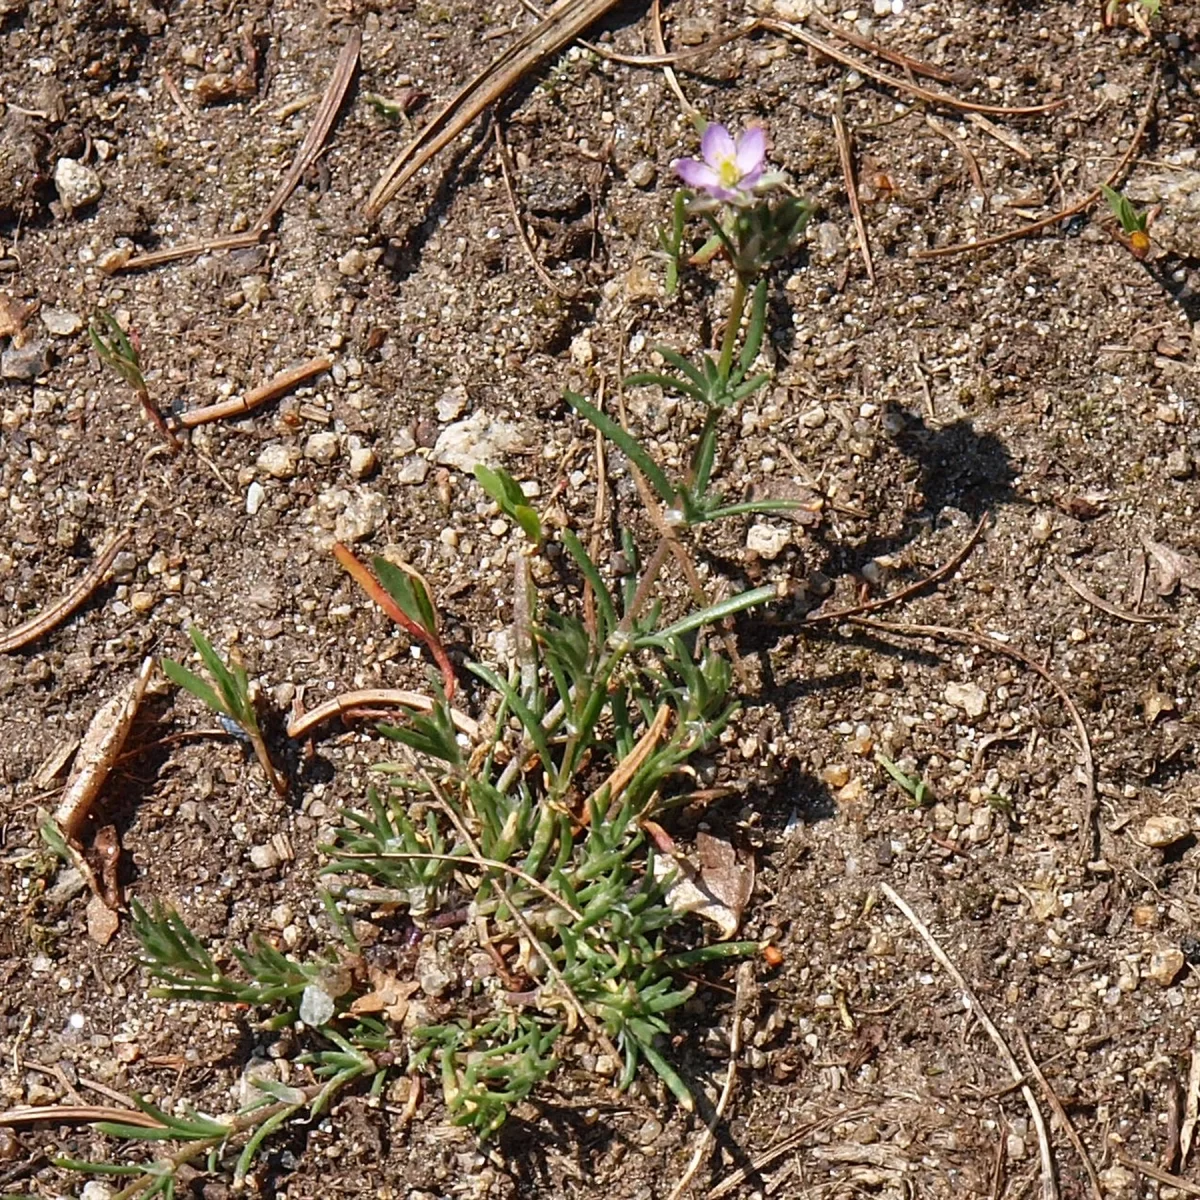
point(729, 173)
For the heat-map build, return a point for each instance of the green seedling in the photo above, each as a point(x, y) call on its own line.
point(921, 793)
point(506, 492)
point(1134, 222)
point(116, 351)
point(230, 698)
point(403, 596)
point(670, 242)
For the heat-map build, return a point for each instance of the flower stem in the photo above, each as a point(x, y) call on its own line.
point(737, 307)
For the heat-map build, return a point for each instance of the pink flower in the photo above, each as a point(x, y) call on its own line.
point(729, 169)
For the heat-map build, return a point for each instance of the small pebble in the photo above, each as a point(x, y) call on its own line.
point(814, 418)
point(364, 514)
point(1165, 964)
point(61, 322)
point(831, 245)
point(1164, 830)
point(451, 405)
point(141, 602)
point(77, 185)
point(362, 461)
point(322, 447)
point(642, 174)
point(279, 460)
point(27, 363)
point(255, 494)
point(413, 470)
point(1179, 464)
point(316, 1006)
point(353, 262)
point(970, 697)
point(767, 541)
point(265, 857)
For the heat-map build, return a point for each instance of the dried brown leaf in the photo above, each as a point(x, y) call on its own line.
point(389, 996)
point(102, 921)
point(1169, 568)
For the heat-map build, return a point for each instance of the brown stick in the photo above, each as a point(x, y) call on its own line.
point(1061, 1113)
point(559, 28)
point(36, 627)
point(77, 1113)
point(239, 405)
point(1080, 205)
point(1085, 593)
point(1153, 1172)
point(310, 148)
point(522, 233)
point(1049, 1184)
point(303, 725)
point(922, 93)
point(915, 65)
point(847, 159)
point(947, 568)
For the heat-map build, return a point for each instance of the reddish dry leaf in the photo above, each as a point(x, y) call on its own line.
point(718, 892)
point(106, 856)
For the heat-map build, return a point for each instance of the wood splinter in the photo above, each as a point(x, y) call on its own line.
point(256, 397)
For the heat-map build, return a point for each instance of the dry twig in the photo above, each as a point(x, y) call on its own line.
point(1071, 210)
point(846, 155)
point(559, 28)
point(36, 627)
point(845, 33)
point(1191, 1108)
point(821, 46)
point(308, 153)
point(1085, 593)
point(1049, 1184)
point(98, 751)
point(76, 1114)
point(240, 405)
point(946, 569)
point(1061, 1113)
point(967, 153)
point(1153, 1172)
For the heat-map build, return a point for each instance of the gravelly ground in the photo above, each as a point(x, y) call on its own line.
point(1050, 383)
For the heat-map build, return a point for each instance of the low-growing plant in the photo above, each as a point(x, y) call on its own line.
point(544, 832)
point(230, 699)
point(115, 350)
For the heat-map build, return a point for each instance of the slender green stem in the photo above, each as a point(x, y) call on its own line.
point(736, 308)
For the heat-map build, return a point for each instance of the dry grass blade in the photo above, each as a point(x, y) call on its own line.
point(846, 155)
point(915, 65)
point(1071, 210)
point(506, 172)
point(75, 1114)
point(1153, 1172)
point(821, 46)
point(962, 148)
point(239, 405)
point(98, 751)
point(36, 627)
point(1085, 593)
point(559, 28)
point(310, 148)
point(1063, 1119)
point(1049, 1184)
point(1087, 824)
point(303, 725)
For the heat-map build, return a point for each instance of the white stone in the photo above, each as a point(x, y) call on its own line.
point(362, 516)
point(767, 541)
point(353, 262)
point(316, 1006)
point(322, 447)
point(970, 697)
point(478, 439)
point(278, 460)
point(61, 322)
point(1164, 830)
point(77, 185)
point(362, 462)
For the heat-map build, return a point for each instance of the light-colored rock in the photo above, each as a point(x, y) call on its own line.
point(362, 462)
point(1165, 964)
point(1164, 830)
point(322, 447)
point(480, 438)
point(413, 470)
point(830, 242)
point(970, 697)
point(451, 404)
point(77, 185)
point(61, 321)
point(255, 495)
point(767, 541)
point(353, 262)
point(278, 460)
point(26, 363)
point(265, 857)
point(642, 174)
point(362, 516)
point(316, 1006)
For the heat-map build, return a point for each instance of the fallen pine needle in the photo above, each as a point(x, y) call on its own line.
point(278, 386)
point(303, 725)
point(36, 627)
point(1085, 593)
point(1049, 1184)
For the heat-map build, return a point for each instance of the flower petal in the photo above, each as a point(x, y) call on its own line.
point(716, 145)
point(696, 174)
point(751, 151)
